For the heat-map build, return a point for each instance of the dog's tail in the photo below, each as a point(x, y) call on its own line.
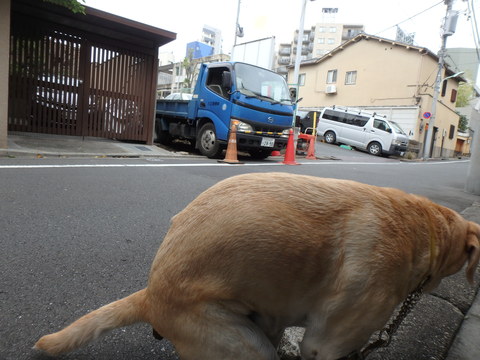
point(126, 311)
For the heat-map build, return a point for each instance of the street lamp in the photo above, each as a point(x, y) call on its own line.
point(298, 56)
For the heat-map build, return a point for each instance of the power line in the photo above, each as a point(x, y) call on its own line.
point(476, 36)
point(411, 17)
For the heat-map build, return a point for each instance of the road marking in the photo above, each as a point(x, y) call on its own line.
point(45, 166)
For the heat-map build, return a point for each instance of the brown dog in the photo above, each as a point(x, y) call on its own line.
point(257, 253)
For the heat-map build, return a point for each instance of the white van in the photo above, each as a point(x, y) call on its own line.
point(362, 130)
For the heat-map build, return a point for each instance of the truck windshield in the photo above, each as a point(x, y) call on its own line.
point(253, 81)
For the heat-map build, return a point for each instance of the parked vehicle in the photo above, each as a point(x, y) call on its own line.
point(257, 99)
point(362, 130)
point(58, 97)
point(305, 120)
point(179, 96)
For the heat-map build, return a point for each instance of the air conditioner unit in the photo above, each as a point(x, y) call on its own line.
point(331, 89)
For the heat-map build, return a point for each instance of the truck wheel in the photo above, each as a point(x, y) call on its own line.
point(330, 137)
point(162, 135)
point(374, 148)
point(207, 142)
point(259, 154)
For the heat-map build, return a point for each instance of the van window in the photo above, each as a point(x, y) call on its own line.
point(381, 125)
point(345, 118)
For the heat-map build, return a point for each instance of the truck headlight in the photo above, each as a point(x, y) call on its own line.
point(243, 127)
point(286, 133)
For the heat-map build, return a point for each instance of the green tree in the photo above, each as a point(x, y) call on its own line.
point(462, 123)
point(464, 94)
point(73, 5)
point(190, 66)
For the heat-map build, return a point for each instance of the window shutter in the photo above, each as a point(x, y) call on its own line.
point(453, 96)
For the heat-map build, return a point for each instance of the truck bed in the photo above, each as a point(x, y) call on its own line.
point(173, 108)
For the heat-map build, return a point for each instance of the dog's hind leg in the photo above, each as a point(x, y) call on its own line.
point(272, 327)
point(213, 331)
point(336, 334)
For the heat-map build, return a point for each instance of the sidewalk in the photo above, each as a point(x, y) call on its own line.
point(46, 145)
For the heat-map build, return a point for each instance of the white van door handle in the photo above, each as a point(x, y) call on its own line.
point(372, 130)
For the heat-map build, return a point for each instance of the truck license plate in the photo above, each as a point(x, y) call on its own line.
point(268, 142)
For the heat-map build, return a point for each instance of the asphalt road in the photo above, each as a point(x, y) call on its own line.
point(77, 235)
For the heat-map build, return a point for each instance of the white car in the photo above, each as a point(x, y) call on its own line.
point(179, 96)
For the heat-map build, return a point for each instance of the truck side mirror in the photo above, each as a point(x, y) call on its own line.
point(293, 94)
point(227, 80)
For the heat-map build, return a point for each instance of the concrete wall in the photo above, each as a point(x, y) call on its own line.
point(4, 56)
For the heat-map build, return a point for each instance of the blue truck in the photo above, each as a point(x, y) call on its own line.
point(256, 99)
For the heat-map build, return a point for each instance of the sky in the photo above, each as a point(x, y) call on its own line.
point(280, 18)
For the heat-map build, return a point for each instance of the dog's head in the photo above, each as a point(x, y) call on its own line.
point(462, 248)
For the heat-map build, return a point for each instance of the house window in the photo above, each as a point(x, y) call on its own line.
point(301, 80)
point(350, 78)
point(321, 40)
point(333, 29)
point(331, 76)
point(444, 88)
point(453, 96)
point(330, 41)
point(452, 132)
point(321, 29)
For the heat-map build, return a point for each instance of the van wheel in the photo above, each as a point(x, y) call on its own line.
point(330, 137)
point(207, 142)
point(375, 148)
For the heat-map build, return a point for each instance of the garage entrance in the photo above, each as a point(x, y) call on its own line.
point(85, 75)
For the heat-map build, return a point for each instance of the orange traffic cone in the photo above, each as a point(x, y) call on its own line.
point(275, 153)
point(311, 149)
point(289, 158)
point(231, 155)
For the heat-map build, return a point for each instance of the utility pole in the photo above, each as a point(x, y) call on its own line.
point(448, 28)
point(298, 57)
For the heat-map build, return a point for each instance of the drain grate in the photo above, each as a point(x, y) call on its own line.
point(143, 148)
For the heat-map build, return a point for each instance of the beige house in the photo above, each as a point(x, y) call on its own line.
point(390, 78)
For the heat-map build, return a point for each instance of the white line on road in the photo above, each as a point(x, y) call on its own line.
point(45, 166)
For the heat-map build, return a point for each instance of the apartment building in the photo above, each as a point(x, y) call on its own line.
point(213, 38)
point(317, 41)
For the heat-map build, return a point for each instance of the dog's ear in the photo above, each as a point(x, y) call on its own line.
point(472, 247)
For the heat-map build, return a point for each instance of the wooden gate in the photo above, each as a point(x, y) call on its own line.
point(66, 82)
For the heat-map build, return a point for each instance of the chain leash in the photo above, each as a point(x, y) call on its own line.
point(386, 334)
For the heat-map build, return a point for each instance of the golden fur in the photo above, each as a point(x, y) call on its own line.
point(257, 253)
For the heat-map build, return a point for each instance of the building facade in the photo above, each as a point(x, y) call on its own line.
point(317, 41)
point(390, 78)
point(213, 38)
